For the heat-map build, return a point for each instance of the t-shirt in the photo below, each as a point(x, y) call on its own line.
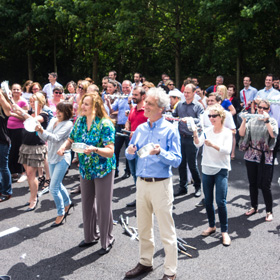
point(225, 104)
point(136, 117)
point(31, 138)
point(4, 138)
point(14, 122)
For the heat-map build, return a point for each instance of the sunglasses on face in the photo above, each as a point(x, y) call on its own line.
point(213, 116)
point(264, 108)
point(80, 87)
point(57, 92)
point(171, 84)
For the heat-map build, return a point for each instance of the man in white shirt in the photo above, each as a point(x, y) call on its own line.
point(137, 80)
point(48, 88)
point(267, 93)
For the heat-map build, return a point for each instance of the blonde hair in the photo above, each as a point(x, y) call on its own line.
point(97, 105)
point(223, 90)
point(39, 96)
point(148, 84)
point(219, 110)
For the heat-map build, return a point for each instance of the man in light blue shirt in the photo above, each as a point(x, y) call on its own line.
point(267, 93)
point(154, 193)
point(247, 94)
point(121, 106)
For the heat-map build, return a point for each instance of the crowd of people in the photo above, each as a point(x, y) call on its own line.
point(160, 127)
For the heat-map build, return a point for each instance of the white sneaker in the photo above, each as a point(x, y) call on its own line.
point(276, 161)
point(22, 178)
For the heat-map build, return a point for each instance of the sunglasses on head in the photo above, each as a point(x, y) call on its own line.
point(213, 116)
point(264, 108)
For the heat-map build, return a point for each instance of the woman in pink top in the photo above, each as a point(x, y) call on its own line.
point(58, 96)
point(15, 127)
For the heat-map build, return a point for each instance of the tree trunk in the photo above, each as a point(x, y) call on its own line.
point(30, 67)
point(95, 67)
point(54, 54)
point(178, 49)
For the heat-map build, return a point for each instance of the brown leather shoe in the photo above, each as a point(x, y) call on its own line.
point(167, 277)
point(138, 270)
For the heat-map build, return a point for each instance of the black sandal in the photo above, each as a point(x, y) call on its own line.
point(41, 181)
point(48, 181)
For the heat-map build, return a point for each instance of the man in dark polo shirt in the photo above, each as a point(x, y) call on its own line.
point(188, 108)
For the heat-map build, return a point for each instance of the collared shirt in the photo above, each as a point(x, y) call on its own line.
point(250, 94)
point(157, 166)
point(194, 109)
point(121, 105)
point(134, 85)
point(275, 109)
point(136, 117)
point(56, 137)
point(267, 94)
point(48, 89)
point(101, 134)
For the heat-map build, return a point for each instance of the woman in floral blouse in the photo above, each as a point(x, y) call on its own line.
point(97, 168)
point(258, 138)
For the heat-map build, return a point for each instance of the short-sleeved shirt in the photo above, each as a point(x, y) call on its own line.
point(225, 104)
point(32, 138)
point(136, 117)
point(14, 122)
point(101, 134)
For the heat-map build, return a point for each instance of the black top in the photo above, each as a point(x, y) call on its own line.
point(31, 138)
point(4, 138)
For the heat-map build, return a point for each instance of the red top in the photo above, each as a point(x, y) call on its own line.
point(136, 117)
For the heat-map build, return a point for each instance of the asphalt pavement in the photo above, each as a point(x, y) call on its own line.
point(30, 249)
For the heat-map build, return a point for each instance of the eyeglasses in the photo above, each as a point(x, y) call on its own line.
point(57, 92)
point(264, 108)
point(213, 116)
point(170, 84)
point(80, 87)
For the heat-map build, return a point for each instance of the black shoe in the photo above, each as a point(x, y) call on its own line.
point(197, 192)
point(59, 224)
point(125, 176)
point(103, 251)
point(116, 174)
point(84, 244)
point(181, 191)
point(28, 209)
point(72, 205)
point(131, 204)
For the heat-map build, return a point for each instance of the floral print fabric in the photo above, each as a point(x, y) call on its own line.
point(101, 133)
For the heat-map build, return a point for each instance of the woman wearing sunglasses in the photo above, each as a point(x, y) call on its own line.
point(217, 141)
point(57, 97)
point(258, 138)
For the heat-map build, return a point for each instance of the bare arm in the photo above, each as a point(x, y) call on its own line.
point(5, 105)
point(107, 151)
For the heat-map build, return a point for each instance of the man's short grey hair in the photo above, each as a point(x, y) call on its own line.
point(191, 86)
point(140, 89)
point(161, 97)
point(220, 77)
point(128, 81)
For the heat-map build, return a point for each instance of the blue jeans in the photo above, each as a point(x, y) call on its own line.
point(221, 181)
point(58, 191)
point(132, 166)
point(5, 174)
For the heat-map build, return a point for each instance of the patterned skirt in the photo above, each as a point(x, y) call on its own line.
point(33, 156)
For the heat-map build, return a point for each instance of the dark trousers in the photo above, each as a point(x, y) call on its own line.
point(16, 140)
point(260, 179)
point(119, 141)
point(189, 156)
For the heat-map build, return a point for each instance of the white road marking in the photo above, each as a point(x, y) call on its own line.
point(8, 231)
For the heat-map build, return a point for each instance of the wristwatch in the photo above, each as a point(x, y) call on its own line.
point(267, 121)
